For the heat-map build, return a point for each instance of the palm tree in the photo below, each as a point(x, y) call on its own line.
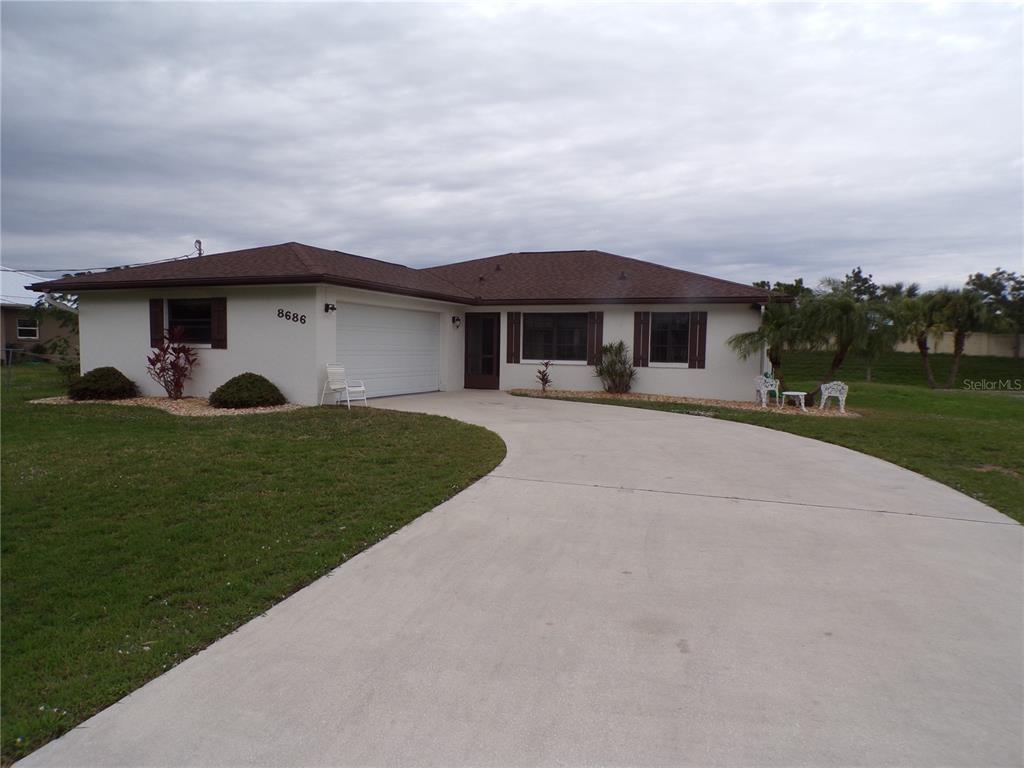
point(963, 312)
point(885, 321)
point(780, 328)
point(920, 318)
point(836, 318)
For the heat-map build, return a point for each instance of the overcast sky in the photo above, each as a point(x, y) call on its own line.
point(749, 142)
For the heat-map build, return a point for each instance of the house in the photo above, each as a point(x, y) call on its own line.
point(25, 331)
point(285, 311)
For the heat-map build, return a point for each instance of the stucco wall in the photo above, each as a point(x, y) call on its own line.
point(114, 330)
point(724, 377)
point(992, 344)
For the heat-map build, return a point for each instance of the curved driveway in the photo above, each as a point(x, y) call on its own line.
point(628, 587)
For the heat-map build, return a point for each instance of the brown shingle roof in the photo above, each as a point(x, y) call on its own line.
point(559, 277)
point(548, 277)
point(285, 263)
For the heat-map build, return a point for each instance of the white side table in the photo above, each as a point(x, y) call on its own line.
point(798, 395)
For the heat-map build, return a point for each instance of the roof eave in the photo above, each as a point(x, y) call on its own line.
point(70, 286)
point(758, 299)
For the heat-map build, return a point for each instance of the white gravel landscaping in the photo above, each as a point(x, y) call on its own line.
point(831, 411)
point(187, 406)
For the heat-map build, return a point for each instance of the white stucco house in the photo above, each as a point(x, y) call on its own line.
point(286, 311)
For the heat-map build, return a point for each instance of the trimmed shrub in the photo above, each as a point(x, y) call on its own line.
point(615, 368)
point(106, 383)
point(247, 390)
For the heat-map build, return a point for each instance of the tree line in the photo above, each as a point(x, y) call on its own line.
point(855, 316)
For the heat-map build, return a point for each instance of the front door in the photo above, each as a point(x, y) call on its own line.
point(483, 336)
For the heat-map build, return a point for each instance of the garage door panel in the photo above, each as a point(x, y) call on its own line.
point(394, 351)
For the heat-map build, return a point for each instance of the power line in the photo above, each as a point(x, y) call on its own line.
point(72, 270)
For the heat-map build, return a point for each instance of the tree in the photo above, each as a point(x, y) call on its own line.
point(885, 321)
point(837, 318)
point(920, 318)
point(61, 307)
point(1002, 293)
point(781, 326)
point(963, 313)
point(860, 286)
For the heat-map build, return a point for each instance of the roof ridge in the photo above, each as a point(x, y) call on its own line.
point(297, 249)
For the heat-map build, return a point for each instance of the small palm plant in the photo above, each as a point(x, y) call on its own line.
point(544, 377)
point(615, 368)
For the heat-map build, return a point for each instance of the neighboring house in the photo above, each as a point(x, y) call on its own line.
point(24, 329)
point(285, 311)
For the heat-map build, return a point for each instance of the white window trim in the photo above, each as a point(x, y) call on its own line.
point(650, 336)
point(21, 331)
point(553, 362)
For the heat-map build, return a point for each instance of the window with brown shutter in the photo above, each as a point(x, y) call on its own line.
point(670, 342)
point(560, 336)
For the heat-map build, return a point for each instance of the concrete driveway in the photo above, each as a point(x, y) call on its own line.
point(627, 588)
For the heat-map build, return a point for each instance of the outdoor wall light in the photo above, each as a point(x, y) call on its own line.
point(456, 322)
point(330, 308)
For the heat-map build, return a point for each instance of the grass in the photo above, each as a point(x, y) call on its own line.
point(132, 538)
point(900, 368)
point(969, 440)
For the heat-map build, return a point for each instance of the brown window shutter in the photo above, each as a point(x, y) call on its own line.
point(514, 323)
point(698, 338)
point(219, 322)
point(641, 338)
point(156, 322)
point(595, 331)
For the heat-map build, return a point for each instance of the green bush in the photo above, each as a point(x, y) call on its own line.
point(615, 368)
point(67, 371)
point(102, 384)
point(247, 390)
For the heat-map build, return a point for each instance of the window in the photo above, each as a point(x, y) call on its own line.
point(561, 336)
point(28, 328)
point(670, 337)
point(194, 317)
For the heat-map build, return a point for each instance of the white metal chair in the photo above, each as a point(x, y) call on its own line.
point(837, 390)
point(764, 384)
point(337, 383)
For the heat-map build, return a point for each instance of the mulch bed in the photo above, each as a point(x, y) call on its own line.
point(187, 406)
point(831, 411)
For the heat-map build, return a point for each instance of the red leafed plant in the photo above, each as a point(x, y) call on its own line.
point(544, 377)
point(172, 362)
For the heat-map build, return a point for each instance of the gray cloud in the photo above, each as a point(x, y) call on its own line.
point(749, 142)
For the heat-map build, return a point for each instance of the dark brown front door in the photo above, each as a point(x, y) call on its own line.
point(483, 336)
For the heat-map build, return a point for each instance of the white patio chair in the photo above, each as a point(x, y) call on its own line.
point(764, 384)
point(337, 383)
point(837, 390)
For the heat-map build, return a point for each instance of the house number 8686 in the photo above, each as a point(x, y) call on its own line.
point(295, 317)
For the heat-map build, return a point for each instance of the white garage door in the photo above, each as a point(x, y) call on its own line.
point(395, 351)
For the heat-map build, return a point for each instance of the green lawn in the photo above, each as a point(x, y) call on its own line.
point(970, 440)
point(900, 368)
point(132, 538)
